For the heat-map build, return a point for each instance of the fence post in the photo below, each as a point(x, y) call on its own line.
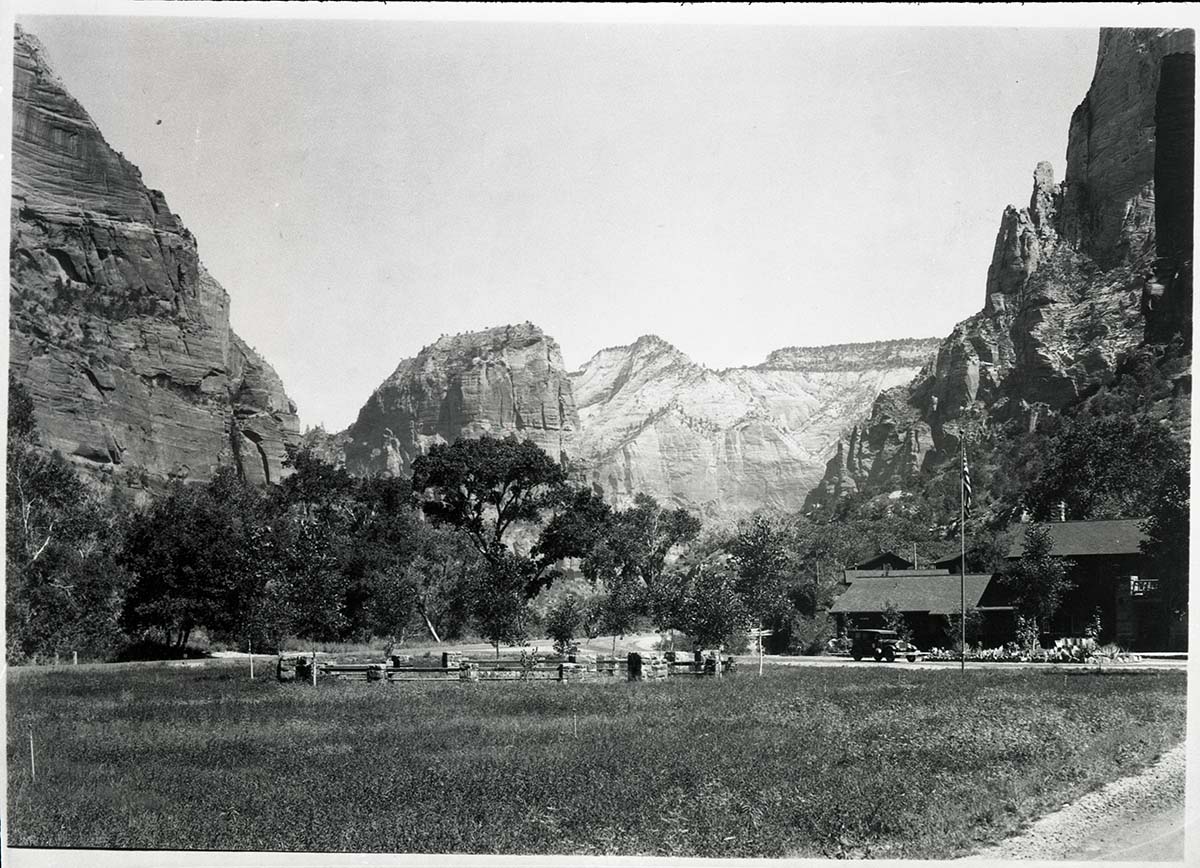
point(314, 668)
point(32, 767)
point(250, 650)
point(74, 658)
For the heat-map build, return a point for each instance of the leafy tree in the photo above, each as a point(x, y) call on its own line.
point(713, 613)
point(188, 556)
point(580, 522)
point(953, 627)
point(483, 486)
point(620, 608)
point(499, 606)
point(760, 553)
point(1099, 465)
point(564, 620)
point(893, 619)
point(1168, 530)
point(63, 585)
point(1038, 580)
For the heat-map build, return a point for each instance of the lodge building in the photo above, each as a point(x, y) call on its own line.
point(1110, 573)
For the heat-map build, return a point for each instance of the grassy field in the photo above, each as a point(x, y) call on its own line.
point(820, 762)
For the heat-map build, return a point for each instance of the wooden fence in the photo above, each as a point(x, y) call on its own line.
point(456, 667)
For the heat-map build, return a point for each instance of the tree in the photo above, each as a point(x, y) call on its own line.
point(1038, 580)
point(563, 621)
point(953, 627)
point(63, 585)
point(483, 486)
point(1168, 531)
point(764, 564)
point(499, 607)
point(189, 557)
point(1100, 465)
point(893, 619)
point(713, 613)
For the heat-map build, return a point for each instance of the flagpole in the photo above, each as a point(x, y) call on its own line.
point(962, 538)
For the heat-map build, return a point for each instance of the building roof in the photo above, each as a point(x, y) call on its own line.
point(889, 559)
point(1116, 536)
point(935, 594)
point(853, 575)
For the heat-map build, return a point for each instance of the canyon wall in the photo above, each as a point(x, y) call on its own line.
point(1093, 267)
point(119, 333)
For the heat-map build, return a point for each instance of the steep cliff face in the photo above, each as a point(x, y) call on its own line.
point(728, 441)
point(1092, 268)
point(115, 327)
point(505, 380)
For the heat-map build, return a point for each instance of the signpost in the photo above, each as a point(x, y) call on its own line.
point(758, 634)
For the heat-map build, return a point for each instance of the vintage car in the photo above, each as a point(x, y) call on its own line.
point(882, 645)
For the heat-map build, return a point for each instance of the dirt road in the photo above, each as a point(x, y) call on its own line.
point(1138, 819)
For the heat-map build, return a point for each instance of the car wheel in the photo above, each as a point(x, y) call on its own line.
point(878, 655)
point(889, 655)
point(912, 658)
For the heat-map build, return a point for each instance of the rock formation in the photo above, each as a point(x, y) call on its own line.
point(1092, 268)
point(730, 441)
point(116, 329)
point(505, 380)
point(649, 419)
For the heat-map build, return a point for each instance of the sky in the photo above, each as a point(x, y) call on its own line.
point(361, 188)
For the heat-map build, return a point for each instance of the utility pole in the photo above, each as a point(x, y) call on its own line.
point(962, 538)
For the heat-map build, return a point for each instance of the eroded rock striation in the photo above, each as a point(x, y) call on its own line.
point(731, 441)
point(1092, 268)
point(117, 330)
point(500, 381)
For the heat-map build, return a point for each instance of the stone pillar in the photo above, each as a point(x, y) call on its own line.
point(635, 666)
point(285, 668)
point(451, 659)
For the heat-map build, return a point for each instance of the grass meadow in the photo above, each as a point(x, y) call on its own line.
point(823, 762)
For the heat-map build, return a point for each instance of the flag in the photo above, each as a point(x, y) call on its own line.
point(966, 486)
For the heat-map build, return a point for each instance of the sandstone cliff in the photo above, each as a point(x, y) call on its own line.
point(115, 327)
point(730, 441)
point(505, 380)
point(1093, 267)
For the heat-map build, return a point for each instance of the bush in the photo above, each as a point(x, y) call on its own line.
point(810, 635)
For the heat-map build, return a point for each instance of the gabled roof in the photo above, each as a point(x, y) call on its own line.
point(889, 559)
point(854, 575)
point(1116, 536)
point(937, 594)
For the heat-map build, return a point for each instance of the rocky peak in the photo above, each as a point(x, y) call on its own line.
point(498, 381)
point(1078, 279)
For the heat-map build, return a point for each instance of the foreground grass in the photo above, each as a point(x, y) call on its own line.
point(829, 762)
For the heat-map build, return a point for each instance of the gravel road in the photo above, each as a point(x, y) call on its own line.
point(1138, 819)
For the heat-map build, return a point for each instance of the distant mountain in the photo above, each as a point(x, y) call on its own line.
point(119, 333)
point(1094, 268)
point(728, 441)
point(640, 418)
